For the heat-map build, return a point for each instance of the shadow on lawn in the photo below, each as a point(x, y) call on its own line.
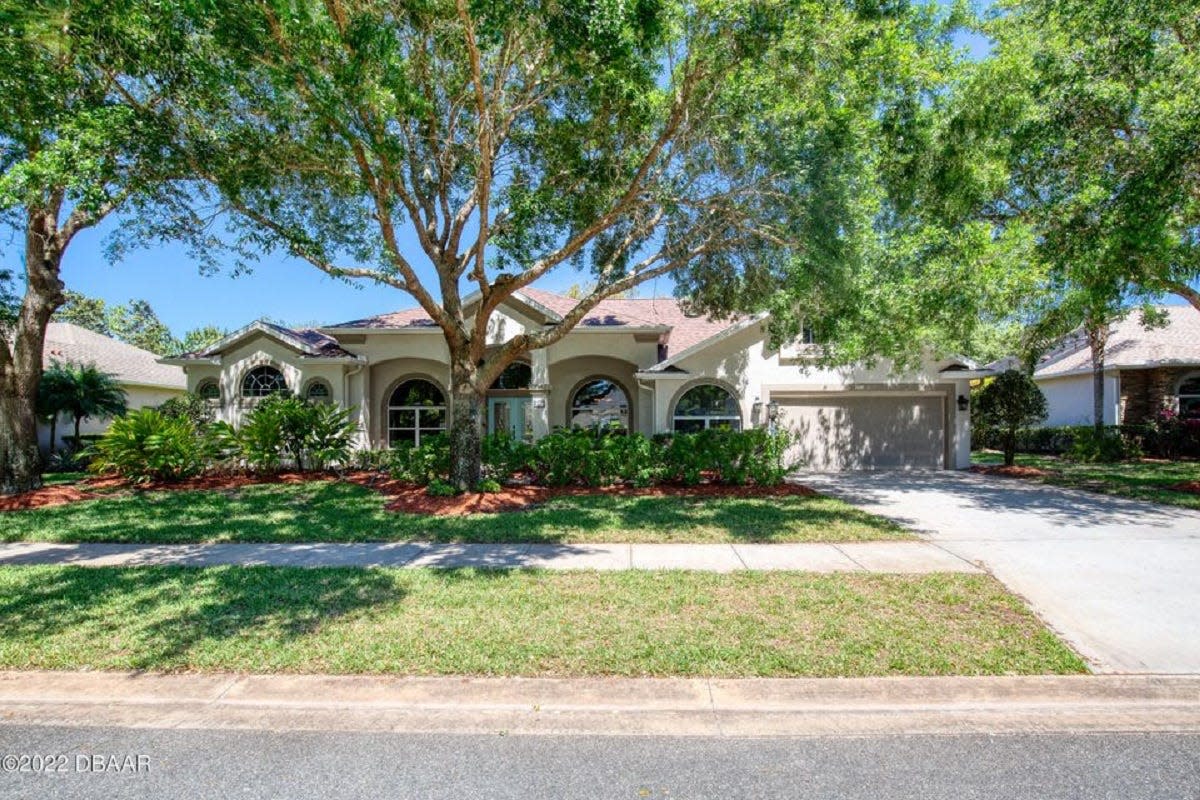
point(153, 617)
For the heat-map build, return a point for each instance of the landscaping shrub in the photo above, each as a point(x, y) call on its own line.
point(286, 428)
point(1169, 435)
point(147, 445)
point(504, 456)
point(489, 486)
point(440, 488)
point(192, 407)
point(424, 464)
point(1009, 403)
point(1107, 446)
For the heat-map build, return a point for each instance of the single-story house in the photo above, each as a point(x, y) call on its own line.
point(146, 381)
point(1145, 371)
point(641, 364)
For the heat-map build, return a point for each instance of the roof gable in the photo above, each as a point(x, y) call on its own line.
point(1130, 346)
point(70, 343)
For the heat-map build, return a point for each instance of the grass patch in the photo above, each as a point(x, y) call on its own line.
point(328, 511)
point(519, 622)
point(1139, 479)
point(62, 478)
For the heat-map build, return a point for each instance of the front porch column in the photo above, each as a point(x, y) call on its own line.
point(539, 391)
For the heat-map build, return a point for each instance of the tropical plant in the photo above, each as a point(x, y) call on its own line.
point(85, 391)
point(147, 445)
point(53, 393)
point(1009, 402)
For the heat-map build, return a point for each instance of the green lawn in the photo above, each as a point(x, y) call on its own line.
point(1143, 479)
point(330, 511)
point(520, 622)
point(59, 478)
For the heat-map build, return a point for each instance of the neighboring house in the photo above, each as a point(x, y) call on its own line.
point(1145, 371)
point(641, 364)
point(146, 381)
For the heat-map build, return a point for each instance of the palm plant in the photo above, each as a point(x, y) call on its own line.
point(53, 392)
point(90, 392)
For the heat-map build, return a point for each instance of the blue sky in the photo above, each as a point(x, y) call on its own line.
point(278, 288)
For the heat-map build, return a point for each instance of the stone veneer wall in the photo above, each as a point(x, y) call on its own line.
point(1145, 391)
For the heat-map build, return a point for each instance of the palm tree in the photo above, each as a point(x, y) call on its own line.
point(53, 392)
point(91, 393)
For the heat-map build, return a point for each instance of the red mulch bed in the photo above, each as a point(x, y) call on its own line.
point(410, 499)
point(1014, 471)
point(406, 498)
point(1191, 487)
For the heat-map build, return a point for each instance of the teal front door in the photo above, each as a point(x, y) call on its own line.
point(512, 415)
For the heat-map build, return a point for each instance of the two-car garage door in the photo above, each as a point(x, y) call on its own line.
point(878, 431)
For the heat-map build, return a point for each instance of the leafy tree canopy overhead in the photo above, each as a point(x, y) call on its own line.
point(134, 323)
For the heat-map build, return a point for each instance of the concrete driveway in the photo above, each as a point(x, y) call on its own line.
point(1119, 579)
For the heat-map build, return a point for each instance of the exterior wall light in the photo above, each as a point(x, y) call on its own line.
point(964, 402)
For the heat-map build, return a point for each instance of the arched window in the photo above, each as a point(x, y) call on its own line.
point(416, 409)
point(1189, 397)
point(263, 381)
point(318, 391)
point(707, 406)
point(516, 375)
point(600, 403)
point(209, 389)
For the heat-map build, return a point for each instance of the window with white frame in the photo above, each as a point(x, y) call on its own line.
point(600, 403)
point(1188, 397)
point(263, 381)
point(209, 389)
point(416, 410)
point(707, 406)
point(318, 391)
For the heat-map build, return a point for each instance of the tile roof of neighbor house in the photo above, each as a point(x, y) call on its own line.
point(1130, 346)
point(66, 342)
point(685, 330)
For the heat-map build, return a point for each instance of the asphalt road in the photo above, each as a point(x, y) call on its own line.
point(187, 764)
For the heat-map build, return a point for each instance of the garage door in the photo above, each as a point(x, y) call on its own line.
point(875, 432)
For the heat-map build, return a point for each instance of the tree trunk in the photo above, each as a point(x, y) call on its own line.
point(1010, 448)
point(1097, 334)
point(75, 446)
point(53, 430)
point(466, 428)
point(21, 361)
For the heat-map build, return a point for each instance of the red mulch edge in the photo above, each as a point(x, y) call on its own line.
point(1190, 487)
point(406, 498)
point(1014, 471)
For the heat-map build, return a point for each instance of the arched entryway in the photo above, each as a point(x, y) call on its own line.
point(509, 404)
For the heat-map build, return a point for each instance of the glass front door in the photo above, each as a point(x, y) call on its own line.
point(513, 415)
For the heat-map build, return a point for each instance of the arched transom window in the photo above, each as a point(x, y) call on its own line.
point(707, 406)
point(263, 381)
point(318, 391)
point(209, 389)
point(1189, 397)
point(416, 410)
point(600, 403)
point(516, 375)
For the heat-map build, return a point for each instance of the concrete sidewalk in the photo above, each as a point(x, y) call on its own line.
point(903, 557)
point(604, 706)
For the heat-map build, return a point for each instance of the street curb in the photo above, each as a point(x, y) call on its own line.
point(606, 706)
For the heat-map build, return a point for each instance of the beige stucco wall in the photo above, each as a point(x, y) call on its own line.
point(1069, 399)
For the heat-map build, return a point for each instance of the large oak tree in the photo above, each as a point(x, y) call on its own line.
point(76, 145)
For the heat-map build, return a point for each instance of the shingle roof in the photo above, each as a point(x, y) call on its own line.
point(311, 343)
point(685, 329)
point(67, 342)
point(1131, 346)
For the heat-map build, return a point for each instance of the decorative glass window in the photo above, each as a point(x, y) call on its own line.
point(1189, 398)
point(600, 404)
point(516, 375)
point(263, 381)
point(707, 406)
point(416, 410)
point(209, 389)
point(318, 391)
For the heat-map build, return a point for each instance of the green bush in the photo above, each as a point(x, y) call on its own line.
point(192, 407)
point(489, 486)
point(1107, 446)
point(147, 445)
point(424, 464)
point(1009, 403)
point(440, 488)
point(504, 456)
point(286, 428)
